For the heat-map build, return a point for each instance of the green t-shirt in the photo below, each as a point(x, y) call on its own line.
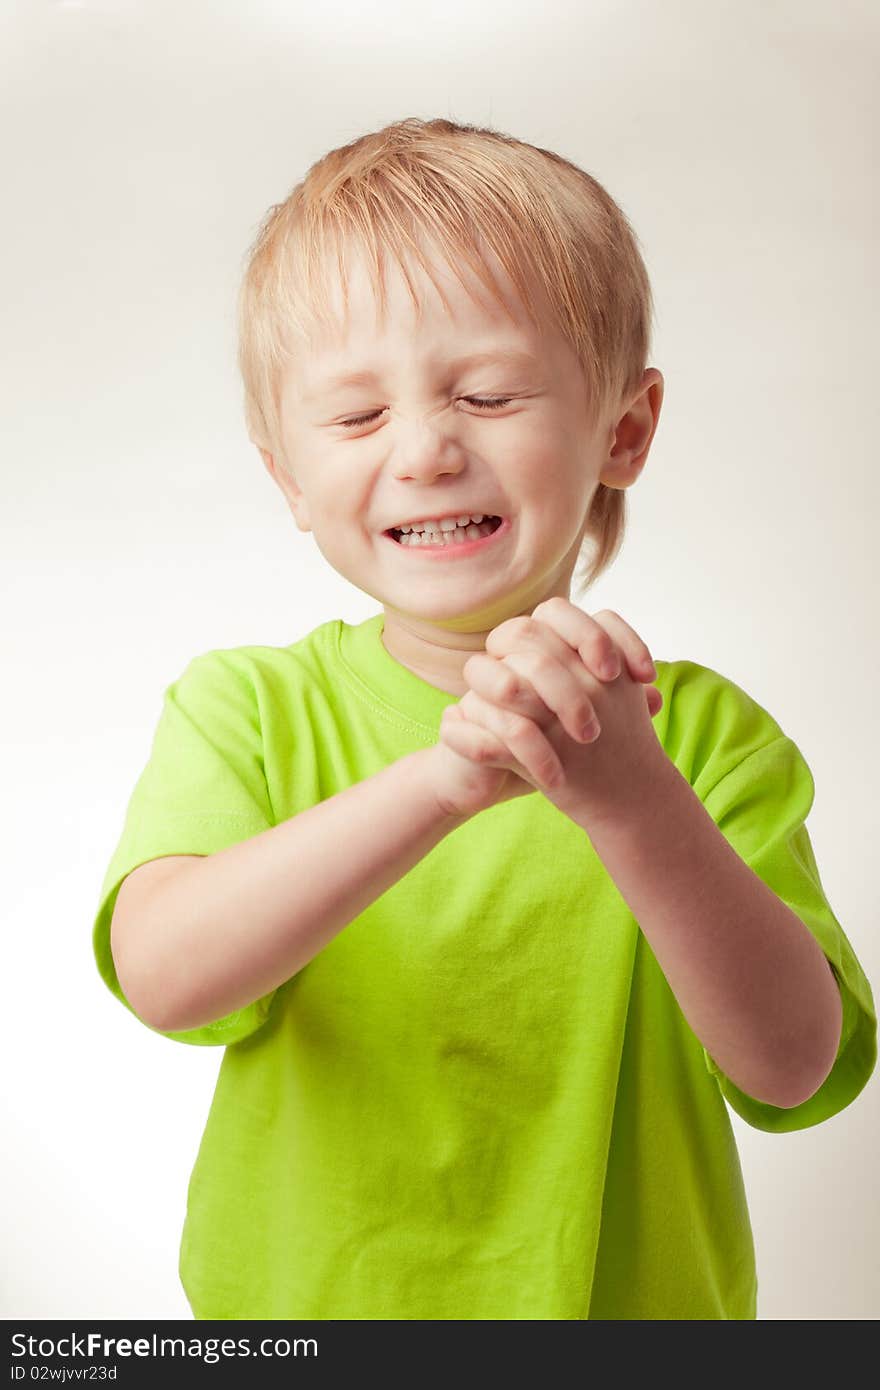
point(481, 1099)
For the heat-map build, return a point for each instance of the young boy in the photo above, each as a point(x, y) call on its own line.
point(485, 978)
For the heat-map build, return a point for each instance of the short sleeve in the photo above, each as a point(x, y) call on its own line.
point(203, 789)
point(760, 806)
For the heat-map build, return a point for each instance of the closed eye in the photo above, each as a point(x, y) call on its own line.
point(482, 403)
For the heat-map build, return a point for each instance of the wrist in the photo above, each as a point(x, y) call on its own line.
point(643, 795)
point(427, 765)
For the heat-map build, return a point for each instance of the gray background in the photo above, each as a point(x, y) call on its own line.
point(141, 145)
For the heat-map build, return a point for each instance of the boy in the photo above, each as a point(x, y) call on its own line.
point(485, 976)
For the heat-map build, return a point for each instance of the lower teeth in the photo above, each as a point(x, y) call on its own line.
point(444, 538)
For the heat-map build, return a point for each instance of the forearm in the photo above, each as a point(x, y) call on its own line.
point(228, 929)
point(751, 980)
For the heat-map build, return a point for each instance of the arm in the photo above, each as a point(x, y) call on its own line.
point(224, 930)
point(753, 983)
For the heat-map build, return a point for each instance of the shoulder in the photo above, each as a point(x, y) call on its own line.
point(709, 723)
point(693, 688)
point(258, 668)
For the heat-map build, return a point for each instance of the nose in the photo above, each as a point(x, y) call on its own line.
point(423, 452)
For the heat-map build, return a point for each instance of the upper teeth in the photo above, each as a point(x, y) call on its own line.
point(449, 523)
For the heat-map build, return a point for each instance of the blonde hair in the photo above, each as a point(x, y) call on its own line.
point(469, 186)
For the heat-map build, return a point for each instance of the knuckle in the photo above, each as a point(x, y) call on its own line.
point(549, 768)
point(535, 659)
point(502, 640)
point(541, 608)
point(510, 684)
point(542, 663)
point(517, 726)
point(503, 636)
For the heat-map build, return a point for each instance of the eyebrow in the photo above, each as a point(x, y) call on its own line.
point(501, 356)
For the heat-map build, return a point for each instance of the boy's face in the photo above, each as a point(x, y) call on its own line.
point(427, 451)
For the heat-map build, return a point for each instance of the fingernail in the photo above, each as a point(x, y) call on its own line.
point(611, 667)
point(650, 668)
point(590, 732)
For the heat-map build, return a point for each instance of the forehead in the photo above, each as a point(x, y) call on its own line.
point(447, 308)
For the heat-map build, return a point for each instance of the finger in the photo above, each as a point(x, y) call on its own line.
point(521, 736)
point(560, 684)
point(498, 680)
point(571, 631)
point(470, 740)
point(534, 683)
point(594, 643)
point(655, 700)
point(561, 688)
point(627, 637)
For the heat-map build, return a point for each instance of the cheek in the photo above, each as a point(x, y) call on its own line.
point(339, 497)
point(340, 548)
point(555, 493)
point(340, 518)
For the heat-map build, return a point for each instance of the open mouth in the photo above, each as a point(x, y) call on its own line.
point(440, 540)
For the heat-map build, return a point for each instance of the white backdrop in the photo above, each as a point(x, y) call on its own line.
point(142, 142)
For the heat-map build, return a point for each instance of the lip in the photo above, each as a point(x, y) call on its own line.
point(455, 551)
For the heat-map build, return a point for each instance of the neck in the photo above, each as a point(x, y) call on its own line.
point(433, 654)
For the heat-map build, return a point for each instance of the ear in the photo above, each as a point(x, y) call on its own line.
point(633, 433)
point(293, 495)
